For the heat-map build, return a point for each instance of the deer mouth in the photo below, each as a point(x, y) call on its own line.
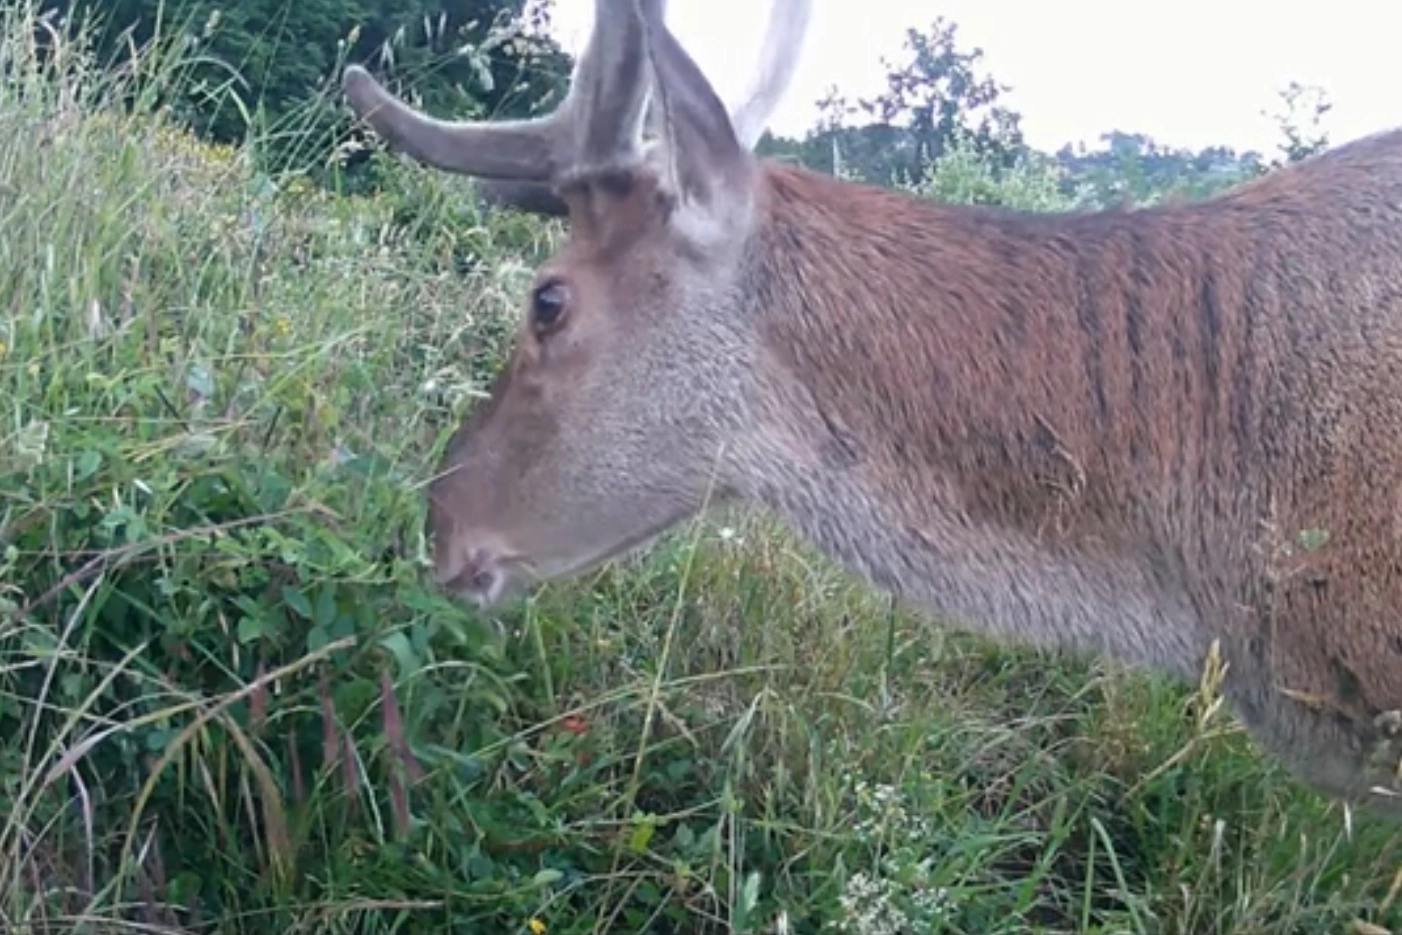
point(486, 579)
point(487, 582)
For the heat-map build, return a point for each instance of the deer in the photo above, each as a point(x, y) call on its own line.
point(1148, 434)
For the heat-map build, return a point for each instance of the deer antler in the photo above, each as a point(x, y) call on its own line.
point(519, 162)
point(597, 126)
point(783, 41)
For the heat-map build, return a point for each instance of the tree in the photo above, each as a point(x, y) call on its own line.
point(936, 94)
point(1299, 121)
point(939, 94)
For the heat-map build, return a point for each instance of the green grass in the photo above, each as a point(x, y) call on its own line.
point(229, 702)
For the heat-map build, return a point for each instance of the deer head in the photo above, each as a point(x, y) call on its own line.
point(604, 427)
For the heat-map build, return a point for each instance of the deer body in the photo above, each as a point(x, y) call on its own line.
point(1129, 433)
point(1134, 433)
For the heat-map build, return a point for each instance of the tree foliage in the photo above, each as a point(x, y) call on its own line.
point(260, 65)
point(939, 99)
point(1300, 119)
point(937, 93)
point(1133, 168)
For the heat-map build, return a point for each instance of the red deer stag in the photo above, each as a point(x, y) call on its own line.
point(1137, 433)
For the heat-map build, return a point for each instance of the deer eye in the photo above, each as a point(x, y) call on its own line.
point(548, 305)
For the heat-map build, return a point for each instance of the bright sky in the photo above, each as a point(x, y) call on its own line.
point(1186, 72)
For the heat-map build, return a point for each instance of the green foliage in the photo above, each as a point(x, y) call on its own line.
point(940, 99)
point(939, 94)
point(230, 703)
point(1304, 107)
point(964, 175)
point(1132, 169)
point(267, 69)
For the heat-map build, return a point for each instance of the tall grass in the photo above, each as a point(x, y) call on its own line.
point(228, 703)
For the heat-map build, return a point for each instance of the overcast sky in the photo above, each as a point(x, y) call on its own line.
point(1187, 72)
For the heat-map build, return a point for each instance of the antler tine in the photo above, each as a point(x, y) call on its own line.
point(618, 97)
point(700, 140)
point(783, 42)
point(610, 91)
point(509, 149)
point(597, 127)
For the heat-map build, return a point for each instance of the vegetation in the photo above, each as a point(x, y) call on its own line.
point(230, 703)
point(262, 69)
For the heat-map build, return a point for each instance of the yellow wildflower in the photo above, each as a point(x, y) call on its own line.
point(536, 926)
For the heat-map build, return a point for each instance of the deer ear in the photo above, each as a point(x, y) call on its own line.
point(706, 156)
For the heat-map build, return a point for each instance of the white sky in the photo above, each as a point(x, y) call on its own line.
point(1186, 72)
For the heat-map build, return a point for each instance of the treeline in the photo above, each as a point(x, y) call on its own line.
point(269, 68)
point(938, 94)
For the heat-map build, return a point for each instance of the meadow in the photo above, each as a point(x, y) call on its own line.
point(230, 702)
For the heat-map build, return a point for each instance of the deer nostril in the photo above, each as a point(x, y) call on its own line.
point(477, 576)
point(480, 579)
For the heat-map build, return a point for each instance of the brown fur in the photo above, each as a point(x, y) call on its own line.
point(1137, 433)
point(1123, 432)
